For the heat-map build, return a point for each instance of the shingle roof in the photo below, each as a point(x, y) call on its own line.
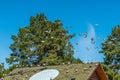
point(78, 71)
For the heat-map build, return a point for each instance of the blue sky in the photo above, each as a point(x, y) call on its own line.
point(96, 17)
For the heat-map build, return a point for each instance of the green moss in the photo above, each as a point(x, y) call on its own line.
point(67, 71)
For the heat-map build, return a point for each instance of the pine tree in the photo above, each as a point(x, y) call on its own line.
point(1, 69)
point(39, 41)
point(111, 50)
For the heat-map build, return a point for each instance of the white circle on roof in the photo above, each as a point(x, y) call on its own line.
point(45, 75)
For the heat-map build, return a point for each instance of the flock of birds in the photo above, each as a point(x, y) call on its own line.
point(85, 35)
point(92, 39)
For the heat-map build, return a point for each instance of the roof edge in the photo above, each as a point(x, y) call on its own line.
point(103, 71)
point(93, 71)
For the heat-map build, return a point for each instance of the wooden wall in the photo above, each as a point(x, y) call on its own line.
point(94, 76)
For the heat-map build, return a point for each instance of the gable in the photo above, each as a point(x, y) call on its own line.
point(98, 74)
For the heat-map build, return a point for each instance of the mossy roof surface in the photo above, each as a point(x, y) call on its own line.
point(66, 72)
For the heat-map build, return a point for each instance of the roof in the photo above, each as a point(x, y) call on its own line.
point(100, 73)
point(78, 71)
